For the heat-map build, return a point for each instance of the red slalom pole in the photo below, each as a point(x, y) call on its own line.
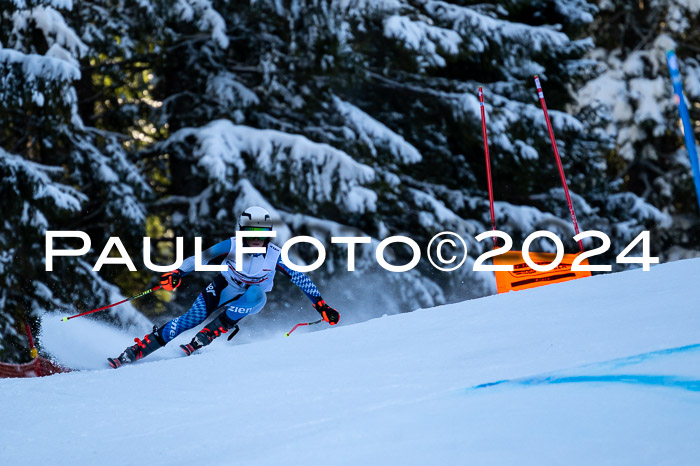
point(301, 325)
point(32, 349)
point(144, 293)
point(556, 154)
point(488, 162)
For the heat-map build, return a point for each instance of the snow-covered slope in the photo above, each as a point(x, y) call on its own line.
point(593, 371)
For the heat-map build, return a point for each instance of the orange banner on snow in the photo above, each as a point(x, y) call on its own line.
point(523, 277)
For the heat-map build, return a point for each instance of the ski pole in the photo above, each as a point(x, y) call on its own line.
point(302, 324)
point(488, 162)
point(540, 94)
point(144, 293)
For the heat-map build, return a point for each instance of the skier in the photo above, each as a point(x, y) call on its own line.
point(241, 292)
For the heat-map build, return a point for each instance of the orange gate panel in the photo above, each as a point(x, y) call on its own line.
point(523, 277)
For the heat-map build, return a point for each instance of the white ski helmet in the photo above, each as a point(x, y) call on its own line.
point(255, 217)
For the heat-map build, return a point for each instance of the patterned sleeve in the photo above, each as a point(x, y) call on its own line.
point(301, 280)
point(208, 255)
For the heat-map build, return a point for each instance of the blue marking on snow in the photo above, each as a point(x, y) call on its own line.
point(622, 362)
point(638, 379)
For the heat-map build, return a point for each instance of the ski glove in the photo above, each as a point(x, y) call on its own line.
point(329, 314)
point(171, 280)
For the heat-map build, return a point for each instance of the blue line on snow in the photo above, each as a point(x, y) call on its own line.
point(655, 380)
point(621, 362)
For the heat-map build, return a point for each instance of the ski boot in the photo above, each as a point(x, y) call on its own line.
point(222, 324)
point(141, 349)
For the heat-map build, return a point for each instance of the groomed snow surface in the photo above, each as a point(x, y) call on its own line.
point(603, 370)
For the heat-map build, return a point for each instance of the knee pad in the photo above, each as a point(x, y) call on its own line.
point(252, 301)
point(255, 294)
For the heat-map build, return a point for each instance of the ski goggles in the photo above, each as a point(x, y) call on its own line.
point(263, 238)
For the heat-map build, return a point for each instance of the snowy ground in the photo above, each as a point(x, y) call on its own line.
point(604, 370)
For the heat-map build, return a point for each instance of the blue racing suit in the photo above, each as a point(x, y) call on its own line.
point(241, 291)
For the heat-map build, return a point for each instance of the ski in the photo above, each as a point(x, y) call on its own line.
point(188, 349)
point(114, 362)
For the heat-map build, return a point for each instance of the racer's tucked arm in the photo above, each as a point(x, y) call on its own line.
point(302, 281)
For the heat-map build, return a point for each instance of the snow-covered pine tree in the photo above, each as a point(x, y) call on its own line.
point(633, 94)
point(57, 174)
point(343, 118)
point(363, 116)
